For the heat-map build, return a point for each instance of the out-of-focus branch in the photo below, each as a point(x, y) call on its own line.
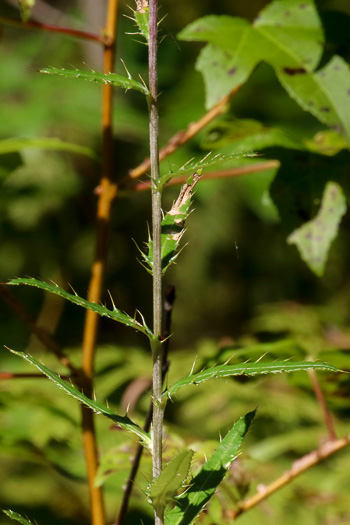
point(181, 137)
point(107, 193)
point(44, 337)
point(297, 468)
point(322, 402)
point(220, 174)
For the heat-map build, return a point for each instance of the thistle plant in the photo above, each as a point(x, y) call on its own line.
point(177, 493)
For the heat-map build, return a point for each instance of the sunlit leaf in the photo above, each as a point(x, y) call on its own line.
point(112, 79)
point(99, 408)
point(164, 488)
point(315, 237)
point(114, 314)
point(203, 485)
point(325, 94)
point(287, 34)
point(248, 369)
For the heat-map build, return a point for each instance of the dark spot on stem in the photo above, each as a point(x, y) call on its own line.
point(214, 64)
point(325, 109)
point(232, 71)
point(302, 6)
point(294, 70)
point(348, 92)
point(287, 13)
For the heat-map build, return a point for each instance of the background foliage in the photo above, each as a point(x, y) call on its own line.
point(238, 283)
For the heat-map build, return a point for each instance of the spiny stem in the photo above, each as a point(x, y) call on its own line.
point(158, 411)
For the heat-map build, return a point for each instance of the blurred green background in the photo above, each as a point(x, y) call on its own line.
point(237, 282)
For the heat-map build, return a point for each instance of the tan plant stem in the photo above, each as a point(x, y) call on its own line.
point(322, 402)
point(220, 174)
point(54, 29)
point(181, 137)
point(297, 468)
point(107, 192)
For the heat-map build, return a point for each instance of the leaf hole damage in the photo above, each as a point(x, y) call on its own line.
point(294, 71)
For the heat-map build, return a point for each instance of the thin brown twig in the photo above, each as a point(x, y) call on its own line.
point(22, 375)
point(322, 402)
point(220, 174)
point(44, 337)
point(107, 193)
point(297, 468)
point(76, 33)
point(181, 138)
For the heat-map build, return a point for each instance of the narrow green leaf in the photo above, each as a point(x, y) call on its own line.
point(287, 34)
point(172, 478)
point(99, 408)
point(114, 314)
point(102, 78)
point(325, 94)
point(17, 517)
point(18, 144)
point(248, 369)
point(204, 484)
point(314, 238)
point(142, 20)
point(172, 226)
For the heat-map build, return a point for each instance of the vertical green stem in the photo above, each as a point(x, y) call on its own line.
point(158, 411)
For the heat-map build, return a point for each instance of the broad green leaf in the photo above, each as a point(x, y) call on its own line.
point(204, 484)
point(18, 144)
point(315, 237)
point(114, 314)
point(247, 134)
point(248, 369)
point(172, 478)
point(17, 517)
point(326, 142)
point(325, 94)
point(99, 408)
point(287, 34)
point(102, 78)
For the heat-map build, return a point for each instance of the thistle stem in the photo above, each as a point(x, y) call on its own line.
point(158, 411)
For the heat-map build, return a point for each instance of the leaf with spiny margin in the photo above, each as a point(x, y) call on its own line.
point(287, 34)
point(14, 516)
point(112, 79)
point(314, 238)
point(172, 227)
point(247, 369)
point(325, 94)
point(99, 408)
point(173, 476)
point(211, 159)
point(142, 21)
point(17, 144)
point(204, 484)
point(114, 314)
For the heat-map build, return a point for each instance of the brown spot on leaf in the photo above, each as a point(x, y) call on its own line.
point(232, 71)
point(325, 109)
point(294, 70)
